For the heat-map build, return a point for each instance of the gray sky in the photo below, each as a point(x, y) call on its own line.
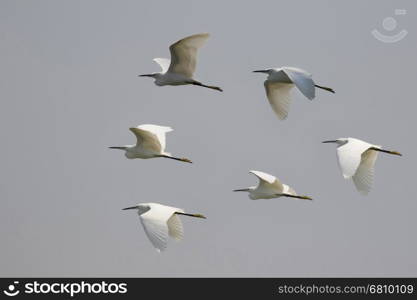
point(69, 89)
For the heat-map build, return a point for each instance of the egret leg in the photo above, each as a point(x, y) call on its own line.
point(206, 86)
point(325, 88)
point(296, 196)
point(191, 215)
point(387, 151)
point(177, 158)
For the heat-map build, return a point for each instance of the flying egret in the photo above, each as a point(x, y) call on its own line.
point(150, 143)
point(180, 68)
point(270, 187)
point(160, 221)
point(279, 83)
point(357, 159)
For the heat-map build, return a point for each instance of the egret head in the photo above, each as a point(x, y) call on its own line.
point(157, 76)
point(339, 142)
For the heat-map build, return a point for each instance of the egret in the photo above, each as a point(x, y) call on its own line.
point(160, 221)
point(357, 159)
point(180, 68)
point(150, 143)
point(279, 83)
point(270, 187)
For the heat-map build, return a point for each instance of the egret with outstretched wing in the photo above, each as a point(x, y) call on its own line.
point(150, 143)
point(357, 160)
point(279, 84)
point(160, 221)
point(179, 70)
point(270, 187)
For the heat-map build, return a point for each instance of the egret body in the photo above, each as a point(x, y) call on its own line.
point(270, 187)
point(160, 221)
point(150, 143)
point(179, 70)
point(279, 83)
point(357, 160)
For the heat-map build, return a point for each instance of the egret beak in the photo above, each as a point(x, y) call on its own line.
point(241, 190)
point(260, 71)
point(332, 141)
point(146, 75)
point(132, 207)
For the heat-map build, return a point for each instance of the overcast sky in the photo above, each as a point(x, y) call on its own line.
point(69, 89)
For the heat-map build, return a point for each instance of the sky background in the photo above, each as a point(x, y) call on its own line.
point(69, 89)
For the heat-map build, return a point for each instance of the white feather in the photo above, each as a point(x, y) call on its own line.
point(151, 136)
point(364, 174)
point(279, 97)
point(350, 155)
point(184, 54)
point(302, 80)
point(163, 63)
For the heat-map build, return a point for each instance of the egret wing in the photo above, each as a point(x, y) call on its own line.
point(184, 54)
point(159, 131)
point(266, 180)
point(155, 224)
point(147, 140)
point(350, 155)
point(364, 175)
point(157, 232)
point(302, 81)
point(163, 63)
point(175, 228)
point(289, 190)
point(151, 136)
point(279, 97)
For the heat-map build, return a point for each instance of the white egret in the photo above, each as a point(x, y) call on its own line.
point(150, 143)
point(180, 68)
point(279, 83)
point(357, 159)
point(270, 187)
point(160, 221)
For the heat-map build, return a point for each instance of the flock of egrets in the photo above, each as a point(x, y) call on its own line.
point(356, 158)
